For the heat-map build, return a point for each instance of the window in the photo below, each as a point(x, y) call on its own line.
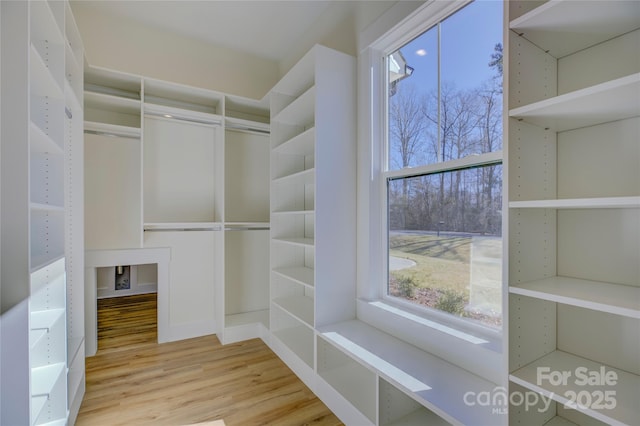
point(442, 172)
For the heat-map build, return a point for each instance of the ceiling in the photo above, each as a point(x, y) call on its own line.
point(265, 28)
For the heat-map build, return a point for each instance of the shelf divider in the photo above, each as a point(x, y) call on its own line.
point(300, 307)
point(625, 410)
point(609, 101)
point(580, 203)
point(301, 275)
point(559, 26)
point(605, 297)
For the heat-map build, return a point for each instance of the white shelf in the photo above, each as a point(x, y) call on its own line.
point(435, 383)
point(421, 416)
point(37, 405)
point(563, 27)
point(183, 97)
point(300, 112)
point(613, 100)
point(112, 103)
point(46, 207)
point(626, 410)
point(301, 275)
point(35, 336)
point(303, 177)
point(170, 112)
point(303, 242)
point(238, 320)
point(41, 261)
point(245, 109)
point(243, 226)
point(44, 25)
point(301, 144)
point(233, 123)
point(293, 212)
point(43, 383)
point(41, 142)
point(42, 80)
point(300, 307)
point(112, 129)
point(97, 79)
point(44, 320)
point(579, 203)
point(299, 340)
point(605, 297)
point(44, 378)
point(183, 226)
point(559, 421)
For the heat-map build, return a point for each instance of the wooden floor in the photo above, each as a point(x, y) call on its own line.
point(134, 381)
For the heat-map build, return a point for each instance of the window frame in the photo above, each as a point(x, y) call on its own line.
point(374, 271)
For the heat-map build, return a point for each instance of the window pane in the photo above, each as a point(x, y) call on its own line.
point(471, 89)
point(412, 136)
point(445, 90)
point(445, 242)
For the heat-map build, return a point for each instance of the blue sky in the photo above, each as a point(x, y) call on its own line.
point(468, 40)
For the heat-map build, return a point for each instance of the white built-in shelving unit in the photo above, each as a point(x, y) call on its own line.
point(364, 375)
point(413, 384)
point(312, 202)
point(574, 212)
point(74, 213)
point(243, 301)
point(42, 263)
point(191, 166)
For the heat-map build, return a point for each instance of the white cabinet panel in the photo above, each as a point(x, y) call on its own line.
point(113, 193)
point(179, 172)
point(191, 280)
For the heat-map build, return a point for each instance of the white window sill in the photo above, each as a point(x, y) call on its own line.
point(471, 348)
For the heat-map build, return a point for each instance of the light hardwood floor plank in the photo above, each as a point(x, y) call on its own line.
point(132, 380)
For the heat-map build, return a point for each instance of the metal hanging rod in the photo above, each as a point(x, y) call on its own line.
point(247, 228)
point(173, 116)
point(111, 134)
point(183, 229)
point(240, 127)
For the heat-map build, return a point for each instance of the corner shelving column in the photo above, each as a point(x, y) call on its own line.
point(38, 107)
point(47, 302)
point(312, 203)
point(574, 211)
point(243, 277)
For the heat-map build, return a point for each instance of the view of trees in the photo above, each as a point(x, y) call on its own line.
point(448, 225)
point(434, 127)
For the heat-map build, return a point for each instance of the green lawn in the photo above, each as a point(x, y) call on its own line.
point(441, 262)
point(442, 273)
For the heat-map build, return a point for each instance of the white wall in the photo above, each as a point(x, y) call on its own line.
point(338, 28)
point(124, 45)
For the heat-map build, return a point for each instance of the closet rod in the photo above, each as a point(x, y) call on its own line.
point(247, 228)
point(172, 116)
point(112, 134)
point(183, 229)
point(242, 128)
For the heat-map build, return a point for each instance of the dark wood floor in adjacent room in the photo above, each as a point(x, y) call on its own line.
point(132, 380)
